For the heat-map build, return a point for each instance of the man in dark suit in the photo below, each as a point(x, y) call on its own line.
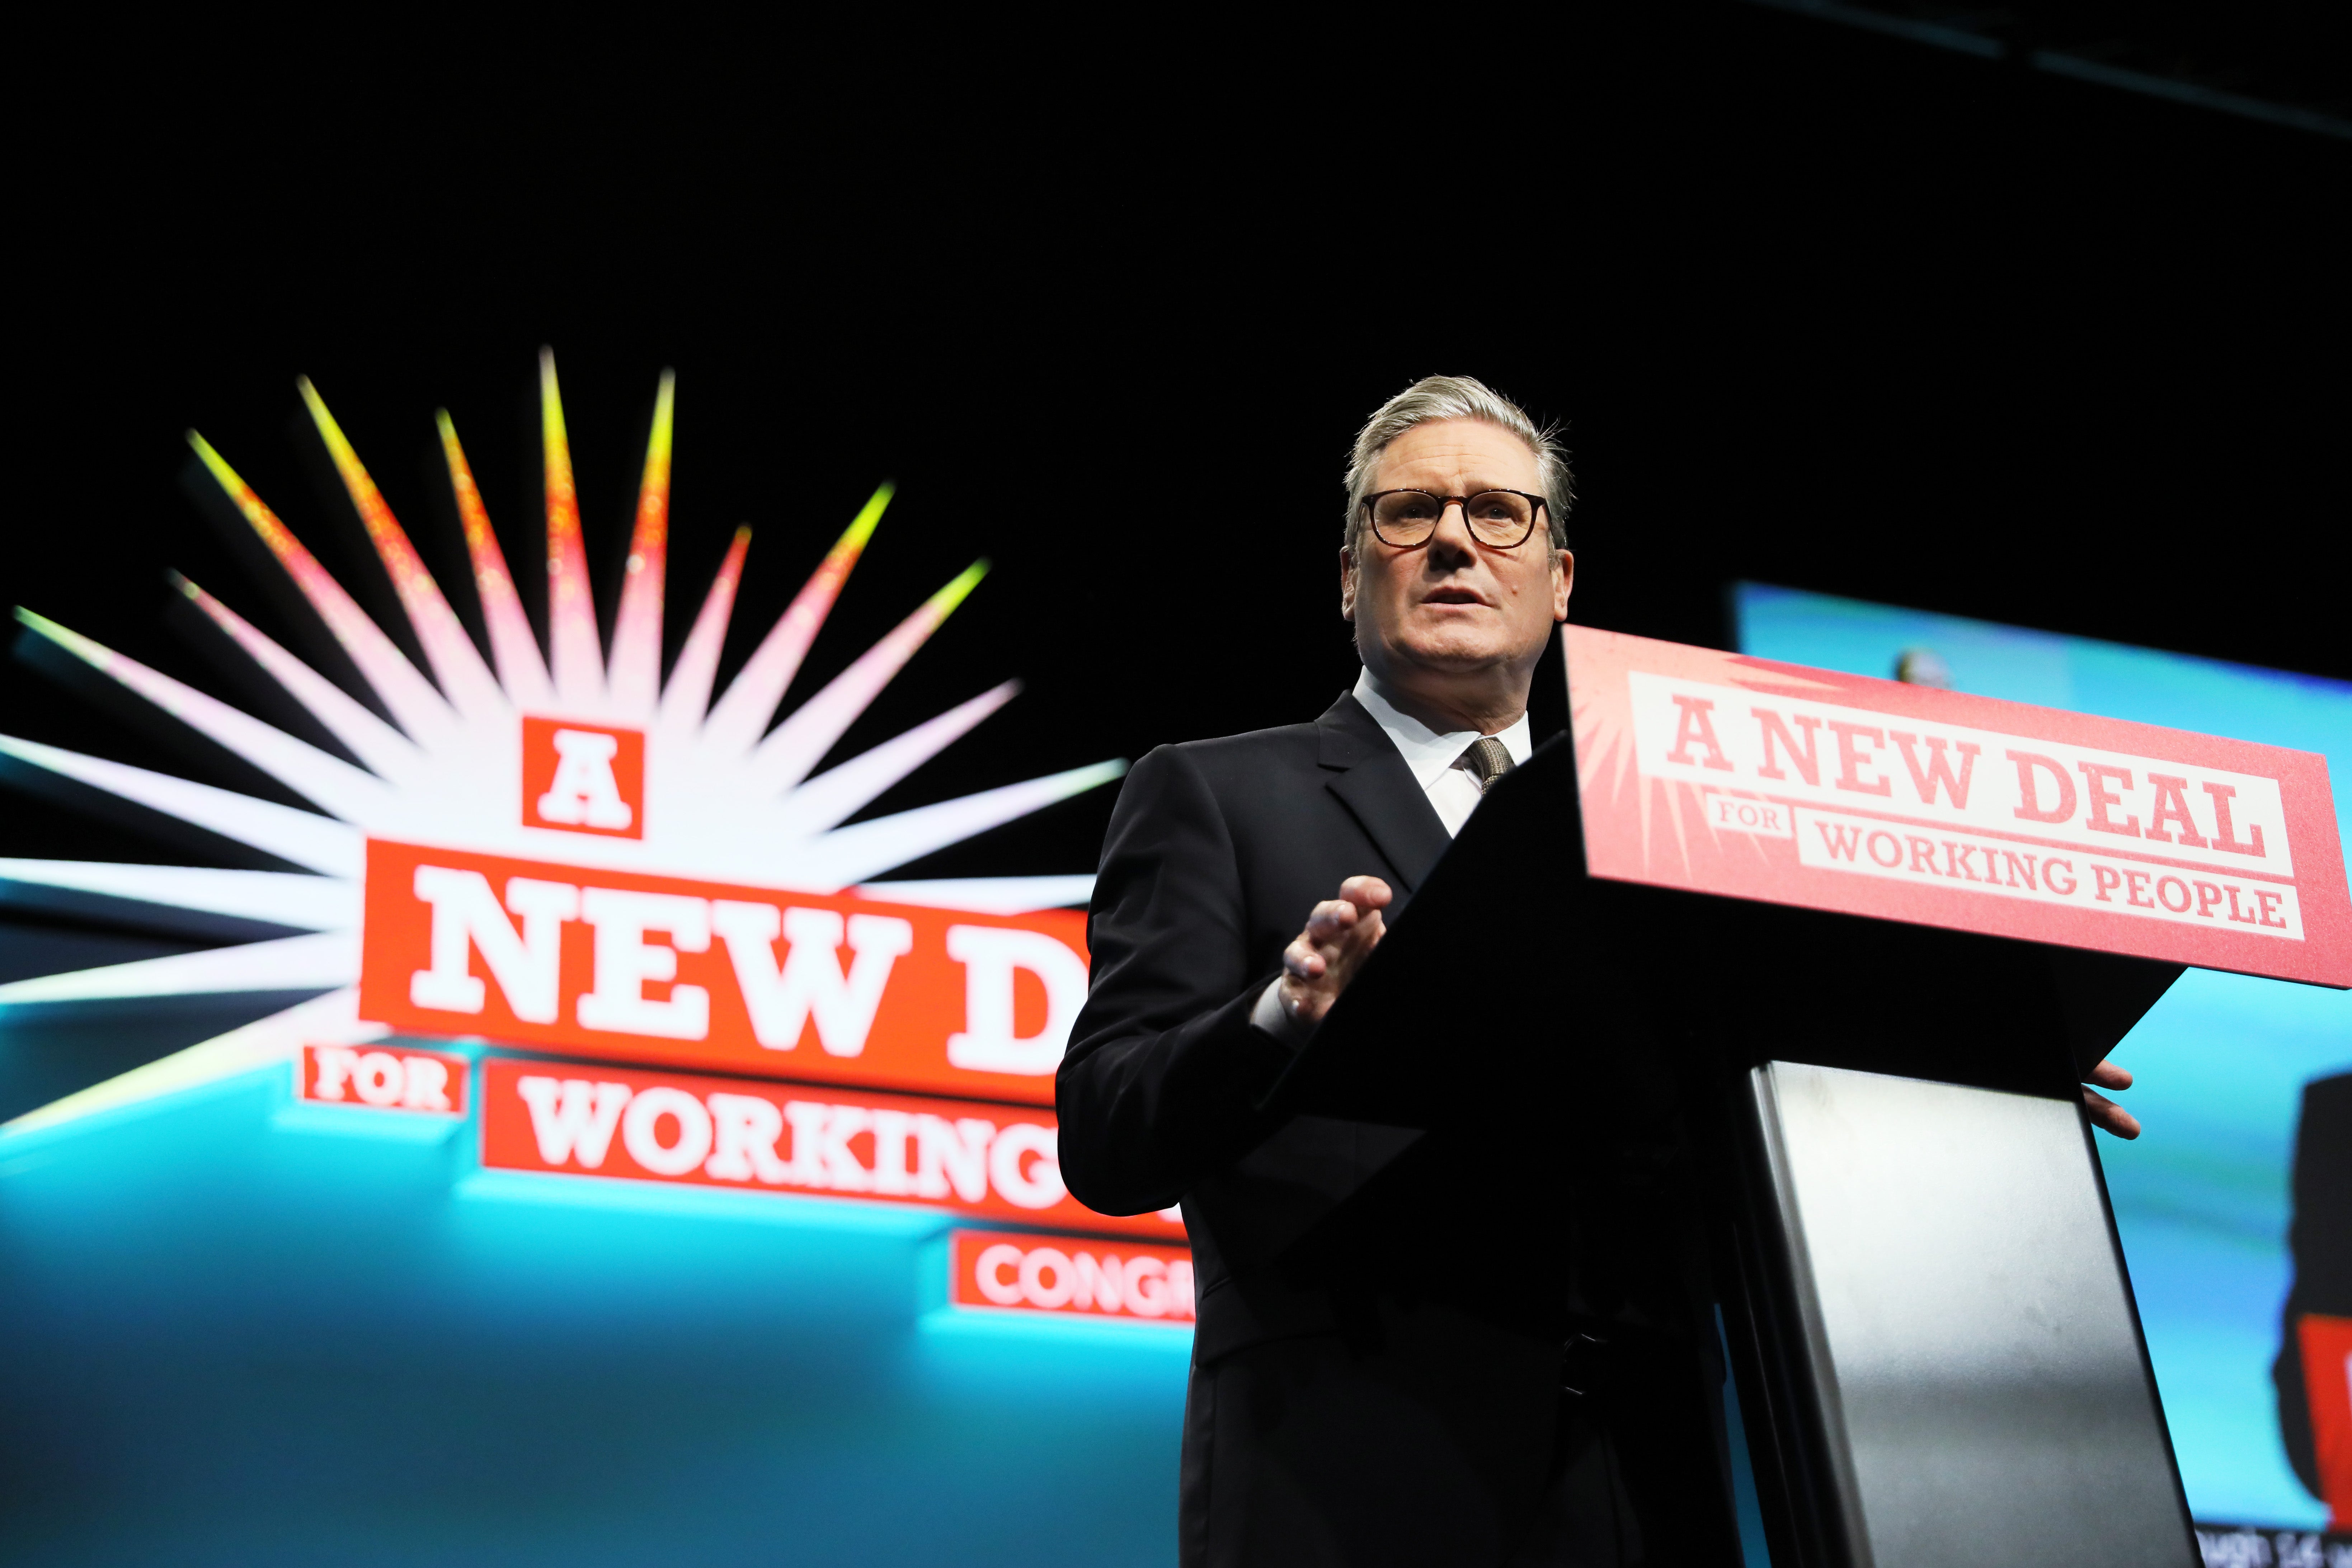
point(1340, 1414)
point(1413, 1347)
point(2319, 1242)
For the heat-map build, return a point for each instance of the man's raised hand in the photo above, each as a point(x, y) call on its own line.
point(1324, 957)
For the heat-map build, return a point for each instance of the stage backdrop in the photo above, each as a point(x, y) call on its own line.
point(744, 1242)
point(2226, 1065)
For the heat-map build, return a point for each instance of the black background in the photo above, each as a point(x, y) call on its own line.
point(1106, 295)
point(1814, 307)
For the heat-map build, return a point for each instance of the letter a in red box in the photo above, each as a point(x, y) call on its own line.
point(583, 778)
point(387, 1077)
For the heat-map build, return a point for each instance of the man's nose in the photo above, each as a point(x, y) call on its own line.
point(1452, 543)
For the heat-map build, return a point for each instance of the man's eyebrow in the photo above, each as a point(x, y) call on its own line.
point(1474, 486)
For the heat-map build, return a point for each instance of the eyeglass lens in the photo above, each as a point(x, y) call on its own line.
point(1499, 517)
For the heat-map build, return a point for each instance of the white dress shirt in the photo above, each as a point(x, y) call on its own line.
point(1436, 764)
point(1435, 760)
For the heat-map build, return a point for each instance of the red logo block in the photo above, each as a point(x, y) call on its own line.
point(382, 1078)
point(583, 778)
point(2327, 1381)
point(1061, 1277)
point(995, 1161)
point(618, 964)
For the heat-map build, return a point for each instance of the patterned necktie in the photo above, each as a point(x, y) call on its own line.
point(1488, 760)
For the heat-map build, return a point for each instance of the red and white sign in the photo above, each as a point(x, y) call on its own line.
point(382, 1078)
point(610, 1122)
point(647, 968)
point(1000, 1271)
point(583, 778)
point(2326, 1346)
point(1726, 775)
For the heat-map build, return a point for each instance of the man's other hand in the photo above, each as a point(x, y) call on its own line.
point(1322, 959)
point(2106, 1112)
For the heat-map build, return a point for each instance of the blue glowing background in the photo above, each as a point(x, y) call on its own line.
point(2202, 1197)
point(243, 1332)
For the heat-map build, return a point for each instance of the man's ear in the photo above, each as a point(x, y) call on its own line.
point(1563, 580)
point(1347, 584)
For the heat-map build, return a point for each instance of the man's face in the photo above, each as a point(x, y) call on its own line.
point(1454, 607)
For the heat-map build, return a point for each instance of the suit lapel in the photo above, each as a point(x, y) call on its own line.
point(1371, 779)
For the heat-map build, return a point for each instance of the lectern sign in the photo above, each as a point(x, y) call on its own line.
point(1727, 774)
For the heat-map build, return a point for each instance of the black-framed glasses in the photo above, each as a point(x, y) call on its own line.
point(1500, 519)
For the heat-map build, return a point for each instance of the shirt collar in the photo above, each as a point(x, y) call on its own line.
point(1426, 753)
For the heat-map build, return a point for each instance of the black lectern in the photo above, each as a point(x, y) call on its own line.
point(1861, 1139)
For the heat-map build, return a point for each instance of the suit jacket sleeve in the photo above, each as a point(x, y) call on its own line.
point(1164, 1068)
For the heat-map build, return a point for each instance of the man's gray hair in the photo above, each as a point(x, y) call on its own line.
point(1458, 397)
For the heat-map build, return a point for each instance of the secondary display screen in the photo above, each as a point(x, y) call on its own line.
point(2207, 1199)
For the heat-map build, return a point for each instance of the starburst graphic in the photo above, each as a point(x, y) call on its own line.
point(725, 796)
point(1601, 715)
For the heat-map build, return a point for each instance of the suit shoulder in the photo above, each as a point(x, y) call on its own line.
point(1224, 756)
point(1231, 775)
point(1221, 789)
point(2327, 1103)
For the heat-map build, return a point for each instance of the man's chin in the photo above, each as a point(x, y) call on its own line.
point(1457, 655)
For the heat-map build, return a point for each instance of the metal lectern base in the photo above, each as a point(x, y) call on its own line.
point(1977, 1374)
